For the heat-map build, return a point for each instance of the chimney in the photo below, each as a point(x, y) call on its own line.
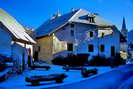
point(56, 15)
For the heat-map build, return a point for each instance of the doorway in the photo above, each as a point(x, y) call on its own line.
point(35, 56)
point(23, 61)
point(112, 51)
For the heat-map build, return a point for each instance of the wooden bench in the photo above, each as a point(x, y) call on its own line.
point(36, 66)
point(89, 72)
point(5, 74)
point(35, 80)
point(67, 68)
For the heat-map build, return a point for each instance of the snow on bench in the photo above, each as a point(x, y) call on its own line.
point(89, 72)
point(67, 67)
point(35, 80)
point(4, 74)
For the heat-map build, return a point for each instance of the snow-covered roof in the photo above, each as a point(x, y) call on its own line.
point(77, 16)
point(14, 28)
point(81, 15)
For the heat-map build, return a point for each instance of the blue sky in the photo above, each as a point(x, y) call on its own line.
point(33, 13)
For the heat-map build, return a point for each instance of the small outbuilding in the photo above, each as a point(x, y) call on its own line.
point(15, 43)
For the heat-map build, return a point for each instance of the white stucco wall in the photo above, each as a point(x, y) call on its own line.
point(5, 42)
point(10, 49)
point(18, 52)
point(27, 46)
point(81, 40)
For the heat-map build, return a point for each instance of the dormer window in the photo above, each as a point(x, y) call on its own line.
point(91, 18)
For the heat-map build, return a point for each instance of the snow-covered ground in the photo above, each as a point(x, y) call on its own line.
point(119, 78)
point(74, 76)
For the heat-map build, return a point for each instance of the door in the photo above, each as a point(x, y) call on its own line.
point(112, 51)
point(23, 61)
point(35, 56)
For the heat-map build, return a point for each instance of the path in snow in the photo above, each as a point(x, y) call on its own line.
point(110, 80)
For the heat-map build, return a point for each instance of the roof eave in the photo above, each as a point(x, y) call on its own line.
point(23, 41)
point(14, 38)
point(100, 25)
point(53, 31)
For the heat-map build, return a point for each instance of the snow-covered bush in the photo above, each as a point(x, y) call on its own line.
point(99, 61)
point(116, 60)
point(102, 61)
point(59, 61)
point(71, 59)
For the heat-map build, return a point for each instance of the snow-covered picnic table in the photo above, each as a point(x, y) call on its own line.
point(4, 74)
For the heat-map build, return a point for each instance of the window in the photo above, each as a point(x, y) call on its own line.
point(102, 48)
point(112, 51)
point(91, 34)
point(91, 19)
point(104, 32)
point(90, 48)
point(70, 47)
point(72, 32)
point(72, 25)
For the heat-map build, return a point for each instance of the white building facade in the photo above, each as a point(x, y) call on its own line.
point(90, 39)
point(81, 32)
